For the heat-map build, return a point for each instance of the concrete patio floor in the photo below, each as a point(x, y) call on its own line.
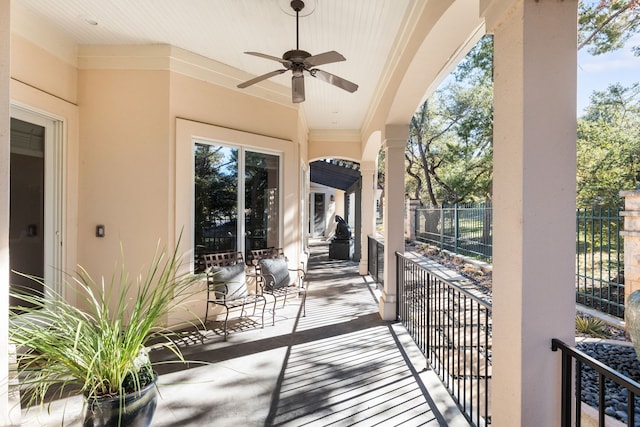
point(339, 365)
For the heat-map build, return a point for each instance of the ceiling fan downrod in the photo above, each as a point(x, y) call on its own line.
point(297, 5)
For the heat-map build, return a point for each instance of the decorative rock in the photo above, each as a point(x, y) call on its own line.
point(632, 319)
point(620, 358)
point(621, 415)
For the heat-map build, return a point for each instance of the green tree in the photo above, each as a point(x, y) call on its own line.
point(608, 146)
point(449, 152)
point(215, 187)
point(606, 25)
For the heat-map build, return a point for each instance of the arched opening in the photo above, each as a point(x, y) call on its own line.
point(335, 206)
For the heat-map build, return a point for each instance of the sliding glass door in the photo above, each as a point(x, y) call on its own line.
point(236, 199)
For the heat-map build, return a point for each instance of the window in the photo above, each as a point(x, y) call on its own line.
point(223, 219)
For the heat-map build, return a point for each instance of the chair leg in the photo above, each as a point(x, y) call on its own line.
point(263, 307)
point(304, 303)
point(255, 304)
point(226, 319)
point(275, 301)
point(206, 314)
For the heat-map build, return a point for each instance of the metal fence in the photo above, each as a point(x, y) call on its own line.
point(464, 229)
point(467, 230)
point(452, 328)
point(600, 260)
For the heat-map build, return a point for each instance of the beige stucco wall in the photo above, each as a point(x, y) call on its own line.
point(120, 143)
point(124, 168)
point(135, 172)
point(28, 62)
point(52, 94)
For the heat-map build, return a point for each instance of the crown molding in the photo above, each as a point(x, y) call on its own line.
point(174, 59)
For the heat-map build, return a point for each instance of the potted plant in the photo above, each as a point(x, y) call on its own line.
point(100, 346)
point(632, 319)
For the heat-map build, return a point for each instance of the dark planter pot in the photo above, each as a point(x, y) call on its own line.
point(632, 319)
point(135, 410)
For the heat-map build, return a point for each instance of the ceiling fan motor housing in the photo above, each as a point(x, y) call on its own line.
point(296, 56)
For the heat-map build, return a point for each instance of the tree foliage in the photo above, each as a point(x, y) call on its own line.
point(215, 185)
point(606, 25)
point(449, 152)
point(608, 146)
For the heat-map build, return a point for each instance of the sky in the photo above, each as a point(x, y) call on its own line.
point(598, 72)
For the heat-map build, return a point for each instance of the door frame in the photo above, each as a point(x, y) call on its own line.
point(240, 200)
point(54, 192)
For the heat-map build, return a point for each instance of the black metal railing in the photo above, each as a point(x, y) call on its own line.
point(375, 260)
point(583, 361)
point(452, 327)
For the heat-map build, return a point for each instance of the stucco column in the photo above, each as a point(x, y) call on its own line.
point(368, 171)
point(534, 205)
point(4, 209)
point(631, 235)
point(395, 143)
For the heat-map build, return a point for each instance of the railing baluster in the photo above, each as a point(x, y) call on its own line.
point(565, 412)
point(631, 406)
point(459, 348)
point(578, 390)
point(601, 391)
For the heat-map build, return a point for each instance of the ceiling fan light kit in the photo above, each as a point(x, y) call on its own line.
point(299, 61)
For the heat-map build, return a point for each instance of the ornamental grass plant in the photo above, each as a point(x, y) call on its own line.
point(591, 326)
point(98, 347)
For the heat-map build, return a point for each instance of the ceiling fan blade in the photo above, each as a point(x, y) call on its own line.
point(324, 58)
point(286, 62)
point(260, 78)
point(297, 89)
point(334, 80)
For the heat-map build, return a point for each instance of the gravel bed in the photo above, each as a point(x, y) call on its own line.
point(621, 358)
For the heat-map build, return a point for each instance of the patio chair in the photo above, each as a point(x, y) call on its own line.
point(227, 285)
point(274, 277)
point(258, 254)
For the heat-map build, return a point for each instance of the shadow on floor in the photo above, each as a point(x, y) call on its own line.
point(338, 365)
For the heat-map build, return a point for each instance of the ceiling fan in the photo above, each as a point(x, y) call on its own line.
point(299, 61)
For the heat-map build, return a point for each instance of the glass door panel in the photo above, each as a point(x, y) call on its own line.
point(27, 220)
point(216, 198)
point(261, 202)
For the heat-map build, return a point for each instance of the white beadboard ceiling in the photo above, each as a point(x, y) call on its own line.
point(364, 31)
